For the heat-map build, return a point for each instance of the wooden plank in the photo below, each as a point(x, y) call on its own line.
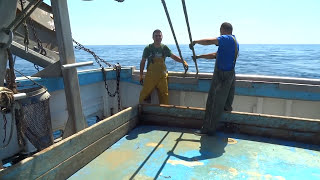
point(79, 160)
point(161, 120)
point(272, 121)
point(43, 161)
point(254, 119)
point(176, 111)
point(297, 129)
point(306, 137)
point(76, 121)
point(7, 10)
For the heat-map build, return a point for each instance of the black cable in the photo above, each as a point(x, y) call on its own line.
point(174, 36)
point(189, 31)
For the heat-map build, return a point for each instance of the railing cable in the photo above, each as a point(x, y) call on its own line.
point(174, 36)
point(189, 31)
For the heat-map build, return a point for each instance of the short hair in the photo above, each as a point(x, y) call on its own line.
point(155, 31)
point(227, 27)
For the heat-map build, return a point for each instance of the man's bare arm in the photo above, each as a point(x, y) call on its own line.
point(207, 56)
point(142, 64)
point(208, 41)
point(176, 58)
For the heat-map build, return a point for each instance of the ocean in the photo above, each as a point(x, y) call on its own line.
point(300, 60)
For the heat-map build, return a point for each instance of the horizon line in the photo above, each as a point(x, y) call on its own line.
point(188, 44)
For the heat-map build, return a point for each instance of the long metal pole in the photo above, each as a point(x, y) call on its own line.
point(189, 31)
point(76, 121)
point(7, 10)
point(174, 36)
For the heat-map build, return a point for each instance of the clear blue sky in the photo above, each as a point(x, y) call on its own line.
point(102, 22)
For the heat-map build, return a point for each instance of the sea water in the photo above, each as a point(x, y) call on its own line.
point(298, 60)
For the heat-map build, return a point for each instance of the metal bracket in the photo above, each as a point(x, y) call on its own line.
point(75, 65)
point(6, 37)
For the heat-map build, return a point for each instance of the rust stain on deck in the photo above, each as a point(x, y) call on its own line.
point(232, 171)
point(154, 145)
point(232, 141)
point(185, 163)
point(116, 158)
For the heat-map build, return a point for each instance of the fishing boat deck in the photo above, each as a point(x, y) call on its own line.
point(159, 152)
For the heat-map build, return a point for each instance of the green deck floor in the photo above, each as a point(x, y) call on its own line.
point(153, 152)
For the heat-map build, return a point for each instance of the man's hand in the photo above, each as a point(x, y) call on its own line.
point(195, 57)
point(185, 63)
point(191, 46)
point(141, 80)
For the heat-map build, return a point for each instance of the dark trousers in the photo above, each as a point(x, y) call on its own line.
point(220, 98)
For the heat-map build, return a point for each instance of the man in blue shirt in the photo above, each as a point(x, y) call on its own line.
point(221, 93)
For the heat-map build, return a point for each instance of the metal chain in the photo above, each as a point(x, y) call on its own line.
point(5, 130)
point(25, 27)
point(36, 67)
point(117, 91)
point(41, 50)
point(97, 58)
point(116, 67)
point(4, 127)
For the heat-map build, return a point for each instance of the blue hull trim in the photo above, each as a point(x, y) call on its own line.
point(271, 90)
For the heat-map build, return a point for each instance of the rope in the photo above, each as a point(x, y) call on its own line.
point(189, 31)
point(6, 98)
point(6, 104)
point(174, 36)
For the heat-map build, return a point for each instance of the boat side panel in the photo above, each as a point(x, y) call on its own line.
point(45, 160)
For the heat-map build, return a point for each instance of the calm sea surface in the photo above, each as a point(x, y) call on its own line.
point(277, 60)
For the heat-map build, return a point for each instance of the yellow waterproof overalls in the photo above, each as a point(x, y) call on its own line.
point(156, 77)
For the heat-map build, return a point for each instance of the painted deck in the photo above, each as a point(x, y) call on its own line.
point(154, 152)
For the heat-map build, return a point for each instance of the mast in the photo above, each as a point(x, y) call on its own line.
point(76, 120)
point(8, 10)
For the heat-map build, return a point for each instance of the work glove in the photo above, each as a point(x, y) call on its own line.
point(141, 80)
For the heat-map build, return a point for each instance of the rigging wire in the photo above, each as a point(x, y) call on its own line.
point(189, 31)
point(174, 36)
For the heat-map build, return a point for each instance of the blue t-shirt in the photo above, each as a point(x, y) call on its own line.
point(226, 53)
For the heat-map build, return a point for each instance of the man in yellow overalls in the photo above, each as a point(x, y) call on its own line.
point(157, 76)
